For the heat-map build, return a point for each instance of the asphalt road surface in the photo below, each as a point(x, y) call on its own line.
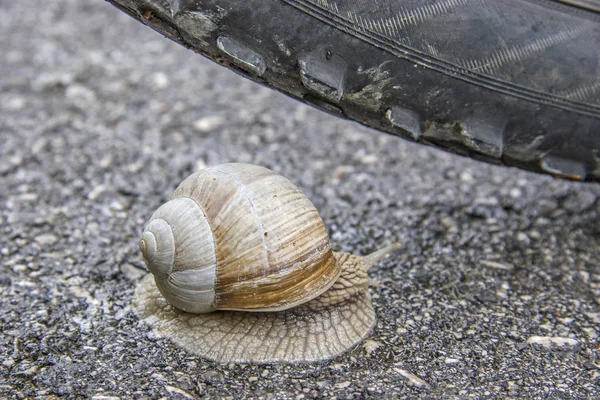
point(496, 292)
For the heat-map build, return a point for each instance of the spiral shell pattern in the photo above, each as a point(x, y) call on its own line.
point(238, 237)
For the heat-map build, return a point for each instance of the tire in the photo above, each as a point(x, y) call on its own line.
point(513, 82)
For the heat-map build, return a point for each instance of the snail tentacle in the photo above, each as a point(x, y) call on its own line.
point(371, 259)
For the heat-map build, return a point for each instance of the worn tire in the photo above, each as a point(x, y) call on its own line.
point(514, 82)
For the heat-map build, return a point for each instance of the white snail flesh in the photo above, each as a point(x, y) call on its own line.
point(243, 271)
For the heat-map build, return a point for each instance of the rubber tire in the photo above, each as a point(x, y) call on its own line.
point(514, 82)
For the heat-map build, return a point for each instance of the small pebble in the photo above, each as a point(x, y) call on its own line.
point(46, 239)
point(80, 95)
point(106, 161)
point(209, 123)
point(16, 103)
point(96, 192)
point(370, 346)
point(591, 333)
point(553, 342)
point(516, 193)
point(212, 377)
point(343, 385)
point(497, 265)
point(369, 159)
point(160, 80)
point(522, 237)
point(412, 379)
point(466, 176)
point(595, 317)
point(176, 391)
point(451, 361)
point(31, 371)
point(200, 164)
point(324, 384)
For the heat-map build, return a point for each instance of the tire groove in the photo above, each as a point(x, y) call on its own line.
point(441, 66)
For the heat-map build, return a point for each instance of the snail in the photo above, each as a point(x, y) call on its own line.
point(242, 270)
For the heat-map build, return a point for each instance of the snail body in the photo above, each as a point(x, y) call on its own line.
point(242, 270)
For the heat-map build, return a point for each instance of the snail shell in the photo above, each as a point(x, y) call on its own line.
point(239, 238)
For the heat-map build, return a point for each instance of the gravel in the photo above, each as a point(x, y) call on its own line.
point(496, 293)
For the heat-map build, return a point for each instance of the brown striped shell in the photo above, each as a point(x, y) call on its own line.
point(238, 237)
